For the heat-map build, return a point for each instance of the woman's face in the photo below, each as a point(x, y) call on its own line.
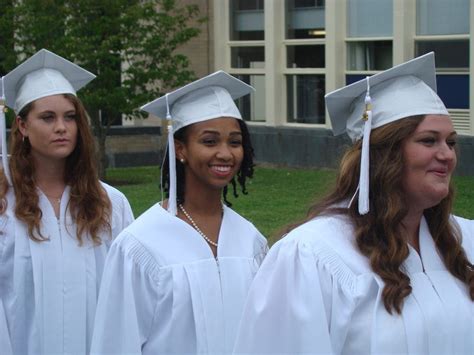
point(429, 160)
point(213, 153)
point(51, 128)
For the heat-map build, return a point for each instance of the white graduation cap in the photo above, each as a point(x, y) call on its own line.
point(204, 99)
point(43, 74)
point(408, 89)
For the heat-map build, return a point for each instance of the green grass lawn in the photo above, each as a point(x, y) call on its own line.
point(276, 197)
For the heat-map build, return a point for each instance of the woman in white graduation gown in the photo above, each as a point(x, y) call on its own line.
point(57, 219)
point(176, 279)
point(389, 274)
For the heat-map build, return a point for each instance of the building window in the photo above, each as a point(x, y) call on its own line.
point(305, 98)
point(441, 17)
point(444, 27)
point(305, 19)
point(369, 55)
point(369, 18)
point(369, 35)
point(450, 54)
point(247, 20)
point(252, 107)
point(305, 56)
point(305, 46)
point(247, 57)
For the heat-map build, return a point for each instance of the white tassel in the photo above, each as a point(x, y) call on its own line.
point(172, 205)
point(364, 178)
point(3, 136)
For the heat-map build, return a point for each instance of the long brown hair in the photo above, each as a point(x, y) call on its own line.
point(89, 204)
point(378, 234)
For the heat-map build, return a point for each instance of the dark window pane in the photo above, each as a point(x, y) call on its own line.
point(252, 107)
point(305, 3)
point(305, 95)
point(248, 4)
point(453, 90)
point(376, 55)
point(305, 56)
point(451, 54)
point(248, 57)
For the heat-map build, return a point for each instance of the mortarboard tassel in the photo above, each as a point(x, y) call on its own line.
point(172, 162)
point(3, 136)
point(364, 178)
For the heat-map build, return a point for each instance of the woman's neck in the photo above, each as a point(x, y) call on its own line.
point(49, 174)
point(205, 203)
point(411, 226)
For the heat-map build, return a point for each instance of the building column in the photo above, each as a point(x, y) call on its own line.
point(221, 34)
point(335, 47)
point(404, 30)
point(274, 60)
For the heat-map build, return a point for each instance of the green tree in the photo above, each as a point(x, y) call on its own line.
point(129, 44)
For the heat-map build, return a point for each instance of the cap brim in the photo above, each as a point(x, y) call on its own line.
point(234, 86)
point(339, 102)
point(77, 76)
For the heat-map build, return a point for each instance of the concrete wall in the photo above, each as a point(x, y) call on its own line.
point(134, 146)
point(281, 146)
point(318, 148)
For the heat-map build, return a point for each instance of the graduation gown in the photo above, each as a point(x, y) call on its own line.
point(163, 292)
point(316, 294)
point(49, 290)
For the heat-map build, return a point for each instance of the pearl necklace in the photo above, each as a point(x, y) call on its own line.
point(206, 238)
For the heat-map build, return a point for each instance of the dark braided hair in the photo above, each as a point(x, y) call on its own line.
point(245, 171)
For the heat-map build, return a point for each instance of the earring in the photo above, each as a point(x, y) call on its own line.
point(23, 139)
point(182, 160)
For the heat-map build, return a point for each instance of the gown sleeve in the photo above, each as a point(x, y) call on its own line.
point(127, 300)
point(122, 214)
point(467, 230)
point(7, 248)
point(288, 310)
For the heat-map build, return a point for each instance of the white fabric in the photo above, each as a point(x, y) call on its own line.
point(316, 294)
point(203, 104)
point(163, 292)
point(49, 290)
point(43, 74)
point(41, 83)
point(393, 100)
point(209, 97)
point(405, 90)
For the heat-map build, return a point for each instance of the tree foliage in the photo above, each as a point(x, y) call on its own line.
point(129, 44)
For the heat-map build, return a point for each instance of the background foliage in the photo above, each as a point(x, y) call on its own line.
point(129, 44)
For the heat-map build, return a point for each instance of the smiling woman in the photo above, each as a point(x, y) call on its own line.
point(380, 265)
point(57, 218)
point(182, 269)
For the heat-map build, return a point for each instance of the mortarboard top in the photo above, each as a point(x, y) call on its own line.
point(204, 99)
point(207, 98)
point(405, 90)
point(43, 74)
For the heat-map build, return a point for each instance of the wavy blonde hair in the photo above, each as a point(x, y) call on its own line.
point(378, 234)
point(89, 203)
